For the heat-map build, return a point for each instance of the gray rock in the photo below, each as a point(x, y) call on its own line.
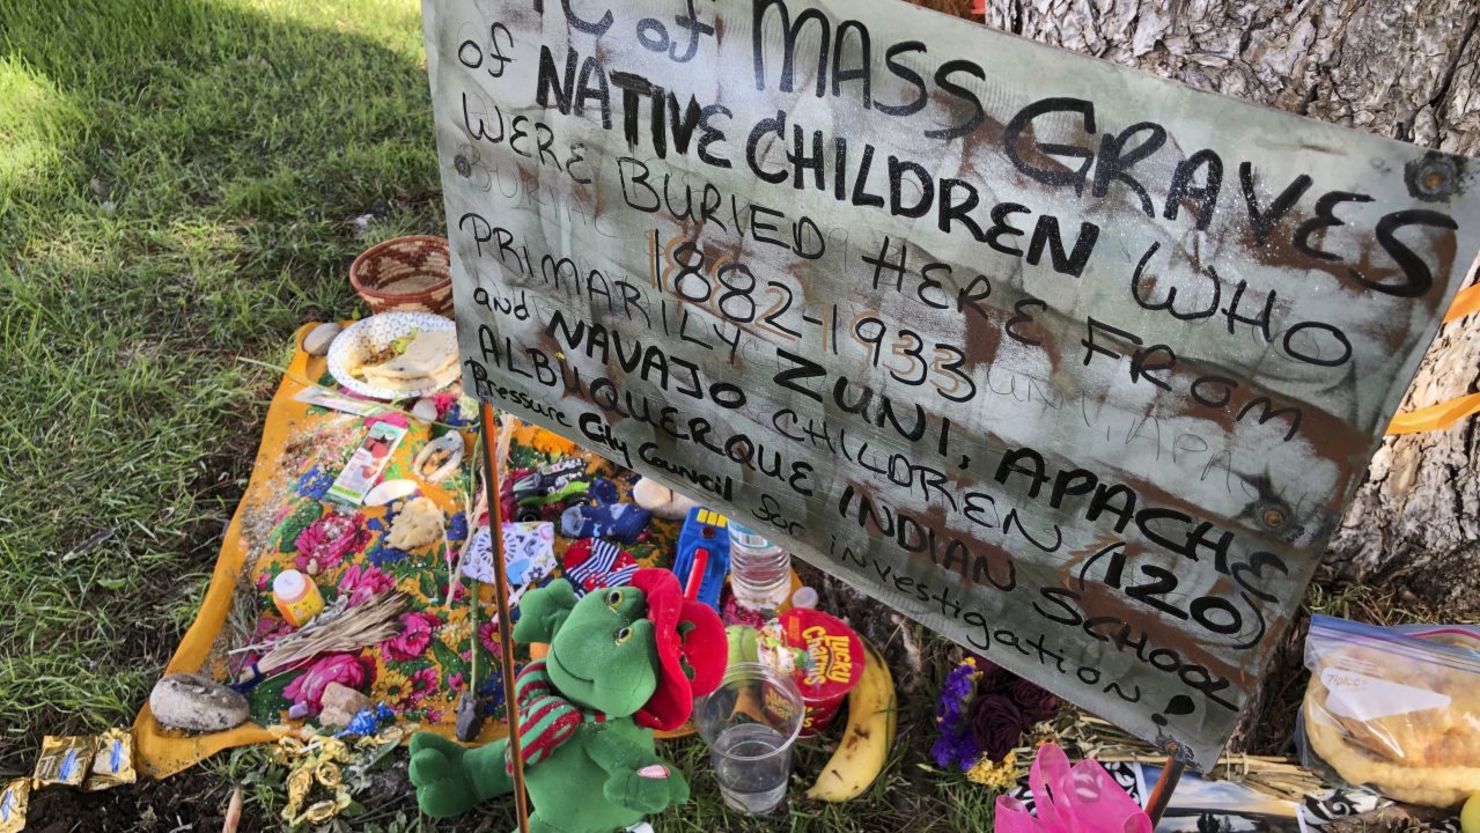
point(469, 717)
point(317, 342)
point(197, 704)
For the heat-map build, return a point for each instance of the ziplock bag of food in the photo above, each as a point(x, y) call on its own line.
point(1396, 709)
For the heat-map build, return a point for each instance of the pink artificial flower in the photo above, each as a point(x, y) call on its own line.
point(488, 633)
point(423, 683)
point(415, 636)
point(271, 629)
point(444, 402)
point(361, 583)
point(455, 681)
point(434, 716)
point(263, 581)
point(346, 669)
point(326, 541)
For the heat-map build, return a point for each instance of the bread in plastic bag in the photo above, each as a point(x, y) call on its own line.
point(1397, 711)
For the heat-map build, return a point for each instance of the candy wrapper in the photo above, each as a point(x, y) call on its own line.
point(64, 760)
point(774, 650)
point(113, 763)
point(13, 802)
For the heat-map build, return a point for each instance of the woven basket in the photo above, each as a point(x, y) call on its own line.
point(412, 274)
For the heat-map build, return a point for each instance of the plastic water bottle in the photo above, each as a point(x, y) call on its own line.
point(760, 571)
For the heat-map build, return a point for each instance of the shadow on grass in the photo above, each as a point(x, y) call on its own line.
point(179, 188)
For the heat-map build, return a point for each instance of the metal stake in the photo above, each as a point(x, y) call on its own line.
point(501, 595)
point(1161, 794)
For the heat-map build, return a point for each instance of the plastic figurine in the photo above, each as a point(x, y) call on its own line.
point(622, 662)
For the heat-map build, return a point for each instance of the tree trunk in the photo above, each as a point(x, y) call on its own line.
point(1403, 68)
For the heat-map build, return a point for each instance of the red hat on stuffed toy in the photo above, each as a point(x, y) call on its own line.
point(691, 649)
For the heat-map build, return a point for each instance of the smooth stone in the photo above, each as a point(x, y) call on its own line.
point(317, 342)
point(425, 409)
point(679, 508)
point(388, 491)
point(667, 504)
point(197, 704)
point(650, 494)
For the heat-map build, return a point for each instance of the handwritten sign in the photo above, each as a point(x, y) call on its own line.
point(1072, 364)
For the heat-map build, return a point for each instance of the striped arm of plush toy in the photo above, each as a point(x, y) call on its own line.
point(545, 719)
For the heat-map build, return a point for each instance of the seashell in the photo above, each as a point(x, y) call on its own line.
point(425, 409)
point(450, 445)
point(390, 490)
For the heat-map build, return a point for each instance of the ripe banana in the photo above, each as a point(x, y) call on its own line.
point(864, 749)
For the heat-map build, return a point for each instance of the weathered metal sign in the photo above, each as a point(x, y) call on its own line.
point(1072, 364)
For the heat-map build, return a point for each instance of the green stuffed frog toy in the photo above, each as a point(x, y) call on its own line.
point(623, 661)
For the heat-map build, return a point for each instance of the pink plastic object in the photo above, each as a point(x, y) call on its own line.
point(1081, 799)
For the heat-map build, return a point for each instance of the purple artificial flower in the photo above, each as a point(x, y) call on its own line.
point(956, 745)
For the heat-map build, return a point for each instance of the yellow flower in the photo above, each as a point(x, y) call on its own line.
point(395, 685)
point(997, 776)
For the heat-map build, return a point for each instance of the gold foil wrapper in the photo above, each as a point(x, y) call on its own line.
point(300, 781)
point(321, 811)
point(14, 799)
point(113, 763)
point(64, 760)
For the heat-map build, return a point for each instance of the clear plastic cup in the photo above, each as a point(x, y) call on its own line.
point(760, 571)
point(751, 723)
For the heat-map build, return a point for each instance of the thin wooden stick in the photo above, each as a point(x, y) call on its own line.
point(1161, 794)
point(501, 594)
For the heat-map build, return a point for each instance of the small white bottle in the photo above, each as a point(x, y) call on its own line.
point(760, 571)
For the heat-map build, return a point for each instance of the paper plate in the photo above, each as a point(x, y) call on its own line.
point(374, 333)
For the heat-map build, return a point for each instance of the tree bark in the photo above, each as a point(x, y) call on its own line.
point(1403, 68)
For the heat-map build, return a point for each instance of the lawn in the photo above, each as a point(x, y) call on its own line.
point(182, 182)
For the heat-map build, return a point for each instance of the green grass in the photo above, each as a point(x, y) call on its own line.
point(178, 182)
point(178, 186)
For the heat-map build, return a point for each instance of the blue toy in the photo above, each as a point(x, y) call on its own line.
point(707, 530)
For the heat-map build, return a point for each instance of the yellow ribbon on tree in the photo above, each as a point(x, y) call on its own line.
point(1467, 302)
point(1445, 414)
